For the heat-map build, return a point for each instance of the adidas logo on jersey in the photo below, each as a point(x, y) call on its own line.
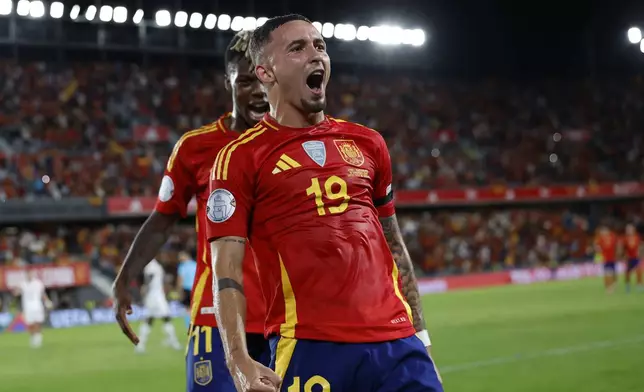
point(285, 163)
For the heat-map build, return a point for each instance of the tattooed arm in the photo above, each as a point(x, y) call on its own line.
point(230, 310)
point(405, 268)
point(230, 301)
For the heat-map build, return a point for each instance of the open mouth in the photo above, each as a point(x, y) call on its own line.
point(315, 80)
point(257, 110)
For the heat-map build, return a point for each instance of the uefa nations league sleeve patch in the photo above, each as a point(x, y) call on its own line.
point(166, 190)
point(221, 205)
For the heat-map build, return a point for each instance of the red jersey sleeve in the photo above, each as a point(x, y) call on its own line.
point(231, 194)
point(178, 185)
point(383, 194)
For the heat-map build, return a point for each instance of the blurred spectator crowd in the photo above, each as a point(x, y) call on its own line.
point(106, 129)
point(440, 242)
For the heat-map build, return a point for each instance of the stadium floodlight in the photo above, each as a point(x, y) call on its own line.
point(23, 8)
point(418, 37)
point(211, 22)
point(350, 32)
point(327, 30)
point(393, 35)
point(375, 33)
point(73, 14)
point(634, 35)
point(318, 26)
point(56, 10)
point(249, 23)
point(363, 33)
point(261, 21)
point(138, 16)
point(346, 32)
point(90, 14)
point(105, 14)
point(195, 20)
point(237, 24)
point(642, 46)
point(163, 18)
point(386, 35)
point(36, 9)
point(5, 7)
point(120, 14)
point(408, 37)
point(338, 31)
point(181, 19)
point(224, 22)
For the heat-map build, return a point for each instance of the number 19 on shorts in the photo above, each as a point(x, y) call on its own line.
point(313, 382)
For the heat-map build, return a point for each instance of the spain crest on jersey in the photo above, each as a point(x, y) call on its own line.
point(203, 372)
point(349, 152)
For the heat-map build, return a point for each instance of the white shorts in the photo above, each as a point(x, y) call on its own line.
point(157, 308)
point(34, 316)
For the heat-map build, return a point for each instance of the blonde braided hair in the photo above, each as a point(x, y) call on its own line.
point(242, 44)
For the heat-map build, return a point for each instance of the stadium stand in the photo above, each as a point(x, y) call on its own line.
point(441, 242)
point(105, 129)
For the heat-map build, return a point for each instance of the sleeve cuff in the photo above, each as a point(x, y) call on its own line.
point(386, 210)
point(171, 208)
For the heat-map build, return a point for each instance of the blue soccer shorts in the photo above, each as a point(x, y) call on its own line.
point(205, 363)
point(396, 366)
point(632, 264)
point(610, 268)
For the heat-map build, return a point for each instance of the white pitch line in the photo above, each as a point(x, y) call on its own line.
point(541, 354)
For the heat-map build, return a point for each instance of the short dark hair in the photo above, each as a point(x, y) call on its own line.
point(262, 35)
point(237, 48)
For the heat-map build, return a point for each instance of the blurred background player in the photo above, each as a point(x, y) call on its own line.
point(606, 244)
point(632, 250)
point(185, 277)
point(156, 304)
point(316, 194)
point(187, 174)
point(34, 302)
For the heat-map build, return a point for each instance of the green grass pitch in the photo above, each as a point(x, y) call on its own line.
point(563, 336)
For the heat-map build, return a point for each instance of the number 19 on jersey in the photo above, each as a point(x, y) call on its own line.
point(335, 188)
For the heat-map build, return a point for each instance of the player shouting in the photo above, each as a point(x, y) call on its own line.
point(187, 175)
point(314, 195)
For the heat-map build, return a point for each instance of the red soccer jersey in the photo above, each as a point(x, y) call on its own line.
point(309, 199)
point(187, 175)
point(608, 246)
point(632, 246)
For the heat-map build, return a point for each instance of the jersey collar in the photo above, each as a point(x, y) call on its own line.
point(271, 123)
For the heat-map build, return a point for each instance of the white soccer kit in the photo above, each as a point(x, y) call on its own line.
point(32, 292)
point(155, 300)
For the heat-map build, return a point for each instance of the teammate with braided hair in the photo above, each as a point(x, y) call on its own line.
point(187, 175)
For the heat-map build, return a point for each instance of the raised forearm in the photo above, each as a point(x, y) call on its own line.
point(230, 301)
point(147, 243)
point(405, 269)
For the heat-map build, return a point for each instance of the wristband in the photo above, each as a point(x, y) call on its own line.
point(424, 337)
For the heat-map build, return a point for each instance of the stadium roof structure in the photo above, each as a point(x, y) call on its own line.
point(573, 37)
